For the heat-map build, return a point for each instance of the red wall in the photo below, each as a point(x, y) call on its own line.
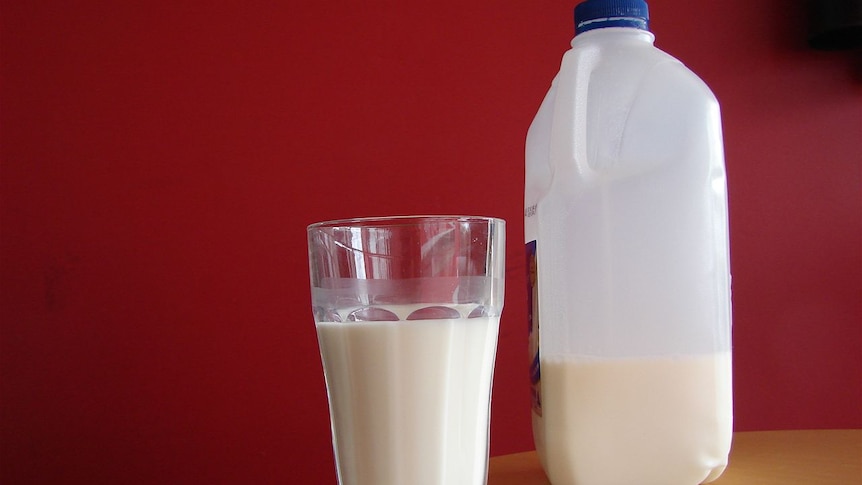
point(159, 162)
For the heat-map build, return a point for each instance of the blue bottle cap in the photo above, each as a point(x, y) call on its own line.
point(597, 14)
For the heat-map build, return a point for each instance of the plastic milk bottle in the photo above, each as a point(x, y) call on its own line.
point(627, 244)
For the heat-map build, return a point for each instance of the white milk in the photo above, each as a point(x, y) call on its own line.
point(410, 400)
point(678, 433)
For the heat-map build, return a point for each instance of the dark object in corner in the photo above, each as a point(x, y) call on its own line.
point(835, 24)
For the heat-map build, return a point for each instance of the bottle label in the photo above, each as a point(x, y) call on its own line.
point(533, 323)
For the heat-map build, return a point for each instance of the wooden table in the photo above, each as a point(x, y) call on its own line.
point(807, 457)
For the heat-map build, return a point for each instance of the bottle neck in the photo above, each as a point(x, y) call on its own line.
point(607, 34)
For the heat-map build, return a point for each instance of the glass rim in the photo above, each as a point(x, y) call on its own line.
point(401, 220)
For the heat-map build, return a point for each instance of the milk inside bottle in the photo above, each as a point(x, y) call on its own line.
point(627, 245)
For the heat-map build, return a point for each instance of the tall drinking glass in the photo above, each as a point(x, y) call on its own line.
point(407, 311)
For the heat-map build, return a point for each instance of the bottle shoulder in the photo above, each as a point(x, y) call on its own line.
point(624, 58)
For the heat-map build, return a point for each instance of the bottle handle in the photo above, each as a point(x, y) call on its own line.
point(568, 147)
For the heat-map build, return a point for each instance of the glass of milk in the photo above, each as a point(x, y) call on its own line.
point(407, 311)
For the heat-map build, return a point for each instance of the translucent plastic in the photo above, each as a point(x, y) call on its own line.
point(626, 227)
